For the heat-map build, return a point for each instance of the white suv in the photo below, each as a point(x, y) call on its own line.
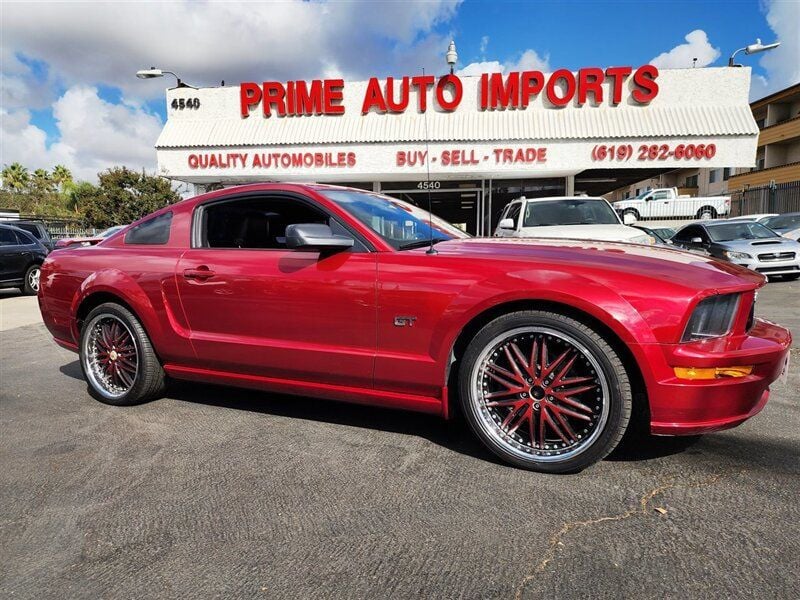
point(574, 217)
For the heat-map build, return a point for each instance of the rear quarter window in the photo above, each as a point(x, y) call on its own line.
point(152, 232)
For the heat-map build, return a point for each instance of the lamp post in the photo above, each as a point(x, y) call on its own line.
point(752, 49)
point(152, 73)
point(452, 56)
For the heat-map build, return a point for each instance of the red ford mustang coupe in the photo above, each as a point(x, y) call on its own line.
point(548, 346)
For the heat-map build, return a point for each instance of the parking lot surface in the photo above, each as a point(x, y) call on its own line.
point(215, 492)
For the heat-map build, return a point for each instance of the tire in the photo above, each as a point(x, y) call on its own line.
point(117, 358)
point(707, 212)
point(517, 418)
point(630, 211)
point(31, 285)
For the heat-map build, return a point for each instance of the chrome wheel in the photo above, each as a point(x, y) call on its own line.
point(110, 356)
point(33, 279)
point(540, 394)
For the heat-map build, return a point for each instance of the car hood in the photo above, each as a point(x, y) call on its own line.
point(761, 246)
point(611, 233)
point(660, 263)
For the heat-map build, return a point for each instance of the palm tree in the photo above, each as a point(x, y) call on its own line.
point(16, 177)
point(41, 181)
point(61, 176)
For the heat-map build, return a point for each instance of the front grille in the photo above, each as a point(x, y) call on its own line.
point(776, 269)
point(776, 256)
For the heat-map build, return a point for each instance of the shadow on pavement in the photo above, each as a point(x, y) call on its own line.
point(455, 434)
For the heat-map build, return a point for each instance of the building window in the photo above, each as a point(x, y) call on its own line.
point(760, 164)
point(726, 173)
point(627, 195)
point(637, 191)
point(691, 182)
point(712, 176)
point(761, 123)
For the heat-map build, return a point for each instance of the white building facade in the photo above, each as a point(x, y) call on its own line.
point(474, 142)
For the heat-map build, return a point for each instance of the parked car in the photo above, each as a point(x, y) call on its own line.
point(551, 347)
point(21, 257)
point(573, 217)
point(666, 203)
point(37, 230)
point(744, 243)
point(788, 225)
point(758, 217)
point(89, 240)
point(662, 235)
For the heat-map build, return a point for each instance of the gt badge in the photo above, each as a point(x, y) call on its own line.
point(404, 321)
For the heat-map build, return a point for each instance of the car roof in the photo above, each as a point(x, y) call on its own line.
point(548, 198)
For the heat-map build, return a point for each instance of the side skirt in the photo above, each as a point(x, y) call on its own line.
point(355, 395)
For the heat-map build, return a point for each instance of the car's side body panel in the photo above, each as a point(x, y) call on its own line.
point(380, 326)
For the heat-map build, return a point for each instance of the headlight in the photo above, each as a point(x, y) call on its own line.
point(643, 239)
point(731, 255)
point(711, 318)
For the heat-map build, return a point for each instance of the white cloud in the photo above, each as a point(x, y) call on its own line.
point(206, 42)
point(682, 56)
point(484, 44)
point(95, 135)
point(527, 61)
point(783, 63)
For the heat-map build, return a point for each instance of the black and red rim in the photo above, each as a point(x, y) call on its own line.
point(110, 355)
point(540, 394)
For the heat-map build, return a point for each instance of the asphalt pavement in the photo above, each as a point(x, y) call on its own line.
point(222, 493)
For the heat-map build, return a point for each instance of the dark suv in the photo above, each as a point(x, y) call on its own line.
point(21, 258)
point(37, 230)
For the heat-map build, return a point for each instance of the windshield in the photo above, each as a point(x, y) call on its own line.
point(569, 211)
point(642, 195)
point(782, 222)
point(728, 232)
point(401, 224)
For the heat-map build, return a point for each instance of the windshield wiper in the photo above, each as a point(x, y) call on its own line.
point(420, 243)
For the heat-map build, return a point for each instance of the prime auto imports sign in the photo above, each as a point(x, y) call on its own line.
point(497, 91)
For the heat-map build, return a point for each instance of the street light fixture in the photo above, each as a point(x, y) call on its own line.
point(152, 73)
point(452, 56)
point(752, 49)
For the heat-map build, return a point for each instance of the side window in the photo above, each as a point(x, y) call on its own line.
point(25, 239)
point(660, 195)
point(7, 237)
point(152, 232)
point(513, 213)
point(686, 234)
point(258, 222)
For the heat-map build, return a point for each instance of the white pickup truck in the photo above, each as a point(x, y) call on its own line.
point(665, 203)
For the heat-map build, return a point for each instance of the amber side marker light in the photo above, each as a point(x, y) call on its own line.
point(712, 372)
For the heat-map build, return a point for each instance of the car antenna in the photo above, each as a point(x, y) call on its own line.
point(431, 249)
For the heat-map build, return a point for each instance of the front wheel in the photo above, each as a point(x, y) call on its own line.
point(117, 358)
point(544, 391)
point(31, 286)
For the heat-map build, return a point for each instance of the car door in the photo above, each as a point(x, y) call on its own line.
point(255, 306)
point(661, 204)
point(13, 256)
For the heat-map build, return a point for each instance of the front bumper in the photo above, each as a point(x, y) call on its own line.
point(688, 407)
point(771, 267)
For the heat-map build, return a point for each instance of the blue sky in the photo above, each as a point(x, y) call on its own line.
point(70, 95)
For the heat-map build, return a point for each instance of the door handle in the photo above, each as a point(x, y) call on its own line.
point(200, 273)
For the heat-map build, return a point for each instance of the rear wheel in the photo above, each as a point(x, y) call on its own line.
point(707, 212)
point(630, 212)
point(544, 391)
point(117, 358)
point(31, 286)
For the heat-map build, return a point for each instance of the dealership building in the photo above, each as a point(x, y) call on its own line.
point(473, 143)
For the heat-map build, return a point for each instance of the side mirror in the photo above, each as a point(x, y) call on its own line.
point(629, 218)
point(696, 241)
point(315, 236)
point(506, 224)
